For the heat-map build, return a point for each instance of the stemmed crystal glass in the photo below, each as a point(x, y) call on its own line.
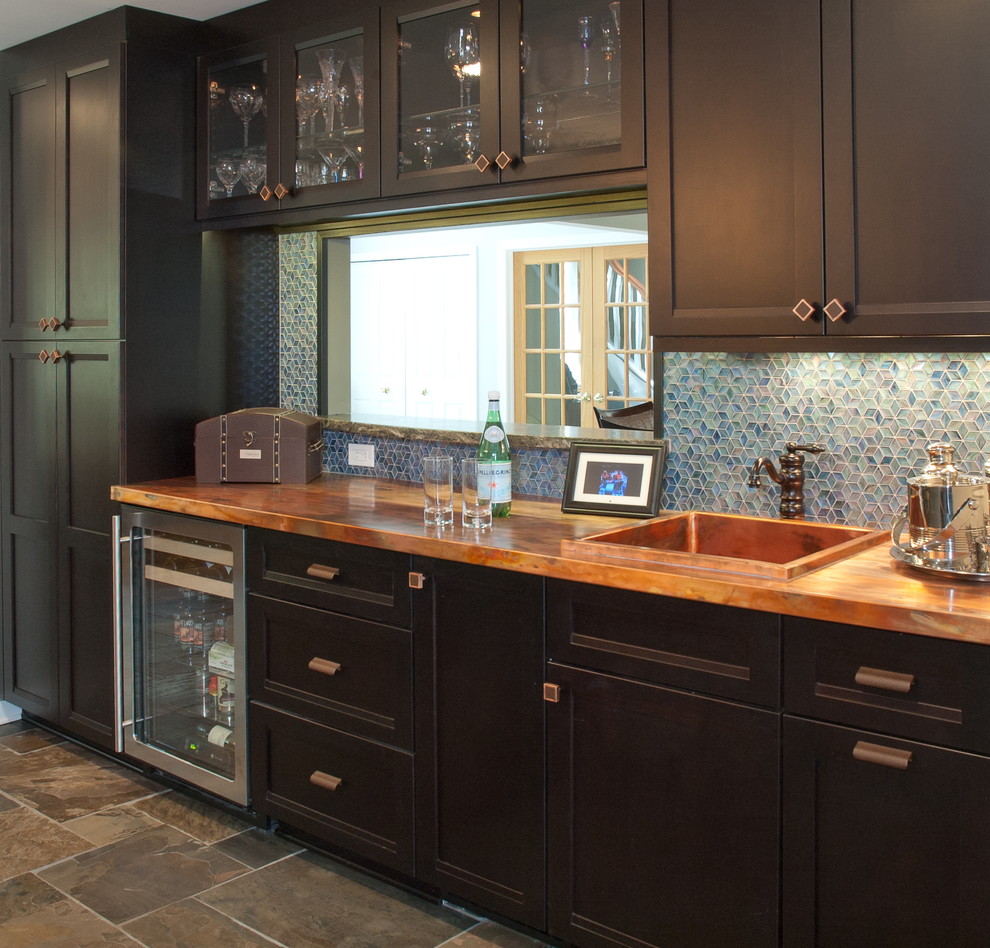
point(428, 141)
point(228, 174)
point(609, 49)
point(334, 155)
point(252, 172)
point(357, 77)
point(614, 10)
point(309, 92)
point(586, 36)
point(465, 134)
point(330, 61)
point(464, 57)
point(246, 100)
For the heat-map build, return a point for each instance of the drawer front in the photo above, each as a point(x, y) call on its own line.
point(350, 674)
point(356, 580)
point(933, 690)
point(349, 792)
point(718, 650)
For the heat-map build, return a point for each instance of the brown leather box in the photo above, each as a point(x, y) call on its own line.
point(259, 445)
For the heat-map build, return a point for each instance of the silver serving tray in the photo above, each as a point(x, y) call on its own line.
point(911, 560)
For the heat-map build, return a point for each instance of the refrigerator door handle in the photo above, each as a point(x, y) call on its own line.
point(118, 637)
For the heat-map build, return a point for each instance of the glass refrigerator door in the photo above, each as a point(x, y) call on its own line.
point(186, 647)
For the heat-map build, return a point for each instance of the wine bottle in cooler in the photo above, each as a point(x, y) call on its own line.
point(495, 459)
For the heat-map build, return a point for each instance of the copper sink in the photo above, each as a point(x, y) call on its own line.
point(777, 549)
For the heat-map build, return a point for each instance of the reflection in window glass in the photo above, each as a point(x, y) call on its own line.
point(553, 340)
point(533, 284)
point(551, 283)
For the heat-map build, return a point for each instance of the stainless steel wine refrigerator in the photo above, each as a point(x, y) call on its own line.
point(182, 683)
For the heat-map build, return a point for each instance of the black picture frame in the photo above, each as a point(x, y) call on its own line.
point(620, 480)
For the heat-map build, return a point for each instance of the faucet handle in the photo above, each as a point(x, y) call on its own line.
point(793, 446)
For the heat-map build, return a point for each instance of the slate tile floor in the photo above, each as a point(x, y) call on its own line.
point(92, 853)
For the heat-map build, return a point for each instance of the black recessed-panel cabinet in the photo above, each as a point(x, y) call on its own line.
point(106, 366)
point(822, 178)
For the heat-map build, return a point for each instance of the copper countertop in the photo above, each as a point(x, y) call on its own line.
point(868, 589)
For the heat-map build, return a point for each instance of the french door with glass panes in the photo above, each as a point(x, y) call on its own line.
point(581, 333)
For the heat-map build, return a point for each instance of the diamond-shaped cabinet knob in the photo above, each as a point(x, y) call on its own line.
point(835, 310)
point(803, 310)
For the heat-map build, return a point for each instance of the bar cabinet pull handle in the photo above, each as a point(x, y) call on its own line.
point(888, 680)
point(327, 781)
point(885, 756)
point(322, 572)
point(835, 310)
point(324, 666)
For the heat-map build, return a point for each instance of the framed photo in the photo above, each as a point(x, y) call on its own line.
point(607, 477)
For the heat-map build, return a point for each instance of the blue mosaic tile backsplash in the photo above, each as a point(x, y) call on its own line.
point(874, 412)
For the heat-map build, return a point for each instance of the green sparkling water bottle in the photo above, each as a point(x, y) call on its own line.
point(494, 459)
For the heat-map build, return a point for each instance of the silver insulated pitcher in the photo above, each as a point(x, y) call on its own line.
point(947, 516)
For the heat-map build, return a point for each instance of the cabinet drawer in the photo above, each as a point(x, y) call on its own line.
point(933, 690)
point(348, 673)
point(356, 580)
point(719, 650)
point(349, 792)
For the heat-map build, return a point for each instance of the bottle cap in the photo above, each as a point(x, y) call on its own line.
point(494, 396)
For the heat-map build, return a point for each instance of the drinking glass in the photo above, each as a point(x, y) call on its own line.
point(357, 77)
point(246, 100)
point(428, 142)
point(309, 94)
point(330, 61)
point(438, 490)
point(252, 171)
point(586, 35)
point(476, 498)
point(614, 10)
point(334, 154)
point(464, 57)
point(228, 174)
point(609, 49)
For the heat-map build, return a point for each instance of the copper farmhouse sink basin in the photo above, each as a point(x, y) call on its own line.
point(777, 549)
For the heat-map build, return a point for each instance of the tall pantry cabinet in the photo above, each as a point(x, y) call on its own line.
point(105, 365)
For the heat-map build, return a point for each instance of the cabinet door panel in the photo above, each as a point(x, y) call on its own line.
point(664, 818)
point(28, 237)
point(900, 142)
point(735, 216)
point(89, 100)
point(878, 855)
point(479, 743)
point(89, 452)
point(29, 518)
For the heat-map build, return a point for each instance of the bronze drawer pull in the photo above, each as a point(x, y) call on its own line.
point(324, 666)
point(885, 756)
point(322, 572)
point(327, 781)
point(888, 680)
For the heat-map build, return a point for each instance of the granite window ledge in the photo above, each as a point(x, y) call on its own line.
point(534, 437)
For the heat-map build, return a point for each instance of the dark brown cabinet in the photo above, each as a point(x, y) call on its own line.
point(822, 177)
point(481, 93)
point(291, 120)
point(885, 831)
point(104, 365)
point(664, 803)
point(332, 694)
point(60, 207)
point(481, 805)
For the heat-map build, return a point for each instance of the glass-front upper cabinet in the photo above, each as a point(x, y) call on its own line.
point(474, 93)
point(291, 121)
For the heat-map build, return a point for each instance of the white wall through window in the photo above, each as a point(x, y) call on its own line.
point(431, 311)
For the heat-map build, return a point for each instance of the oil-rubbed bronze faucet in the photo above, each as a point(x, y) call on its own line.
point(790, 477)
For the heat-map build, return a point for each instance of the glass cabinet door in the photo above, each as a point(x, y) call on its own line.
point(236, 134)
point(439, 96)
point(572, 87)
point(485, 92)
point(329, 117)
